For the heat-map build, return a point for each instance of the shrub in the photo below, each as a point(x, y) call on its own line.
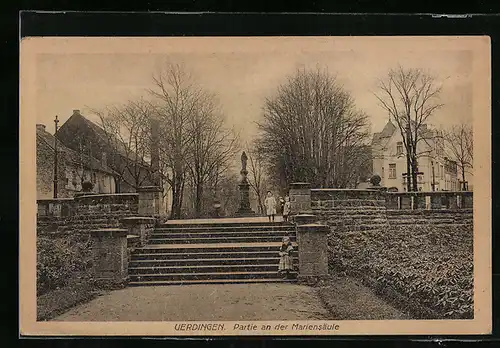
point(87, 186)
point(429, 264)
point(62, 260)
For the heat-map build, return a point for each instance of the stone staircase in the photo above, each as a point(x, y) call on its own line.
point(211, 253)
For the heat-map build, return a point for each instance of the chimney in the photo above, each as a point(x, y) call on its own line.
point(40, 127)
point(76, 112)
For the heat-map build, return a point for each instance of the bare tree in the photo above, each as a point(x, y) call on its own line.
point(175, 98)
point(194, 141)
point(312, 131)
point(127, 133)
point(411, 98)
point(257, 177)
point(211, 146)
point(459, 147)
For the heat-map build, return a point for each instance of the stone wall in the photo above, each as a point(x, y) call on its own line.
point(85, 212)
point(349, 209)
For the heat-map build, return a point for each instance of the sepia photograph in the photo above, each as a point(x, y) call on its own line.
point(255, 186)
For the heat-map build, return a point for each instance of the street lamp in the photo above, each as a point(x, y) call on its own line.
point(56, 122)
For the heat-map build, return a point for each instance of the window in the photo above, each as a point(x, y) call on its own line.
point(392, 171)
point(399, 148)
point(383, 171)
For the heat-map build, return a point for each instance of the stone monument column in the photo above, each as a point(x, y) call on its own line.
point(244, 186)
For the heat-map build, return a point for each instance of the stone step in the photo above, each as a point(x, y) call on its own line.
point(225, 255)
point(204, 276)
point(225, 239)
point(200, 269)
point(173, 225)
point(226, 228)
point(217, 234)
point(216, 259)
point(209, 281)
point(181, 249)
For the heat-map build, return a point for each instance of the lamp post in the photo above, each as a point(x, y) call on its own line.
point(56, 122)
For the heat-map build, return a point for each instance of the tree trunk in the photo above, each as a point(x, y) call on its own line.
point(463, 177)
point(414, 174)
point(198, 199)
point(176, 197)
point(408, 173)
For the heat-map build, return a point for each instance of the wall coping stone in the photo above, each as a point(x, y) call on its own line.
point(315, 227)
point(300, 185)
point(116, 232)
point(149, 189)
point(132, 220)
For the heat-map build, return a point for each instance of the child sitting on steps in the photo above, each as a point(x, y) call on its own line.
point(286, 263)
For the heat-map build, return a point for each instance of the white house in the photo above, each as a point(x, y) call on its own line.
point(435, 171)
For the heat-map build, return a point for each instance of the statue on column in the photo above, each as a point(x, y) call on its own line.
point(244, 159)
point(244, 186)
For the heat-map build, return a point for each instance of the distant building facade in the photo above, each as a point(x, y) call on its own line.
point(132, 171)
point(435, 171)
point(73, 169)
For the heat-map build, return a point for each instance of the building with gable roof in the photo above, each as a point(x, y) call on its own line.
point(132, 170)
point(74, 168)
point(435, 171)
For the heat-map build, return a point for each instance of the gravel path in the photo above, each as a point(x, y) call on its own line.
point(203, 302)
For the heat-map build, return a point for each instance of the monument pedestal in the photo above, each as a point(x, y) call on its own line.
point(245, 209)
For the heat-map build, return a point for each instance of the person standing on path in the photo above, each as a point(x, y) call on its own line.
point(270, 204)
point(286, 209)
point(286, 263)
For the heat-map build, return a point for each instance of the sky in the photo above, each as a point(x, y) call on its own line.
point(244, 71)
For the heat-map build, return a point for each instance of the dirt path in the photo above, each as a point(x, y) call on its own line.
point(203, 302)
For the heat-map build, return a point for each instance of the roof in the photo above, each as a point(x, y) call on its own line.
point(386, 132)
point(73, 156)
point(105, 137)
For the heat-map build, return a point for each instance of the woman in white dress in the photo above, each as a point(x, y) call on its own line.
point(270, 203)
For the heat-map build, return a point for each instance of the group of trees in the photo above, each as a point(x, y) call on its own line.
point(310, 131)
point(195, 148)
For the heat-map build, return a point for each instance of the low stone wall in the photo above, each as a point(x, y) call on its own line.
point(349, 210)
point(84, 212)
point(429, 200)
point(118, 203)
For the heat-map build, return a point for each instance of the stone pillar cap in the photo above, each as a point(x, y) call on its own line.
point(149, 189)
point(137, 219)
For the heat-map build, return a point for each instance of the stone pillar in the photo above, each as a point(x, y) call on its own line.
point(313, 252)
point(435, 201)
point(391, 201)
point(110, 257)
point(453, 201)
point(149, 201)
point(139, 226)
point(406, 202)
point(467, 200)
point(300, 198)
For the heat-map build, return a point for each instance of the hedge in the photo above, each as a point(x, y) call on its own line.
point(428, 265)
point(62, 261)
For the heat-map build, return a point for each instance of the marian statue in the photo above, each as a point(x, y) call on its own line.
point(244, 159)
